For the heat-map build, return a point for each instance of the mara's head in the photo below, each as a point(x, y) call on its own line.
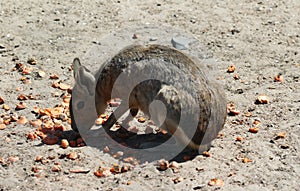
point(82, 105)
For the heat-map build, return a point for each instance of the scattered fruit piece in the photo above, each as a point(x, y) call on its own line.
point(106, 149)
point(22, 120)
point(1, 100)
point(246, 160)
point(236, 77)
point(174, 166)
point(41, 74)
point(56, 168)
point(6, 107)
point(99, 121)
point(32, 136)
point(141, 119)
point(262, 99)
point(64, 86)
point(64, 143)
point(2, 126)
point(115, 169)
point(54, 77)
point(206, 154)
point(216, 182)
point(26, 70)
point(231, 69)
point(231, 109)
point(278, 78)
point(256, 122)
point(20, 106)
point(248, 114)
point(239, 138)
point(72, 155)
point(280, 135)
point(13, 159)
point(39, 158)
point(118, 154)
point(177, 180)
point(101, 172)
point(36, 169)
point(50, 140)
point(32, 61)
point(35, 123)
point(163, 165)
point(253, 129)
point(233, 112)
point(79, 170)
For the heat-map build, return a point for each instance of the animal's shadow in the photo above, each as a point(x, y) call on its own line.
point(129, 144)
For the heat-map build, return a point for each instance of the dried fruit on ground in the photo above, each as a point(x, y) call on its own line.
point(163, 164)
point(72, 155)
point(177, 180)
point(56, 168)
point(22, 120)
point(21, 106)
point(253, 129)
point(278, 78)
point(101, 172)
point(13, 159)
point(262, 99)
point(216, 182)
point(2, 126)
point(32, 136)
point(239, 138)
point(141, 119)
point(231, 68)
point(50, 140)
point(64, 143)
point(6, 107)
point(280, 135)
point(246, 160)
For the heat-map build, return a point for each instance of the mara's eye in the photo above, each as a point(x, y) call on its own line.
point(80, 105)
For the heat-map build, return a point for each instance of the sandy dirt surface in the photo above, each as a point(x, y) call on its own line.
point(261, 38)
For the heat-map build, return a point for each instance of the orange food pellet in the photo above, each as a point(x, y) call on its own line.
point(278, 78)
point(256, 122)
point(6, 107)
point(1, 100)
point(64, 143)
point(281, 135)
point(2, 126)
point(72, 155)
point(246, 160)
point(216, 182)
point(39, 158)
point(206, 154)
point(22, 120)
point(20, 106)
point(231, 69)
point(50, 140)
point(141, 119)
point(253, 129)
point(32, 136)
point(54, 77)
point(239, 138)
point(262, 99)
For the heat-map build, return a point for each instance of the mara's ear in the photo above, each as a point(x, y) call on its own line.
point(83, 77)
point(76, 65)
